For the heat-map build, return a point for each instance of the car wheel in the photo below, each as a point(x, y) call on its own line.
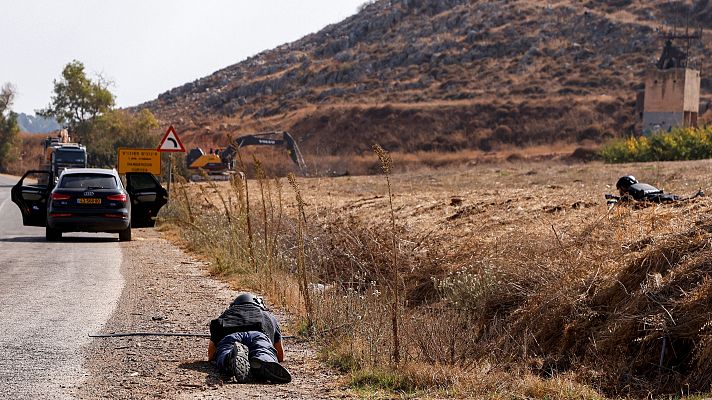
point(52, 235)
point(125, 235)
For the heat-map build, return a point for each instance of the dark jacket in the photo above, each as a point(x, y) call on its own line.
point(645, 192)
point(244, 318)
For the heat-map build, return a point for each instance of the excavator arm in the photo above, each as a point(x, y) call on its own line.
point(224, 160)
point(265, 139)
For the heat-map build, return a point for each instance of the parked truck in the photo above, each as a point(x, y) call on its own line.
point(60, 153)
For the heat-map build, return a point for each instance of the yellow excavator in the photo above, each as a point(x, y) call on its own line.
point(222, 161)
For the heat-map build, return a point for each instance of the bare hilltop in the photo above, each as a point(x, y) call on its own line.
point(445, 75)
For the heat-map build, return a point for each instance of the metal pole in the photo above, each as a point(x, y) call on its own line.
point(170, 174)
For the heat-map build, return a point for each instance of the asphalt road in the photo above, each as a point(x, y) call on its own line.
point(51, 296)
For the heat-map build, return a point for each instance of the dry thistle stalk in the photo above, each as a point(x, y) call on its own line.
point(277, 229)
point(384, 158)
point(246, 203)
point(186, 201)
point(208, 203)
point(250, 247)
point(237, 183)
point(298, 195)
point(217, 191)
point(301, 263)
point(261, 178)
point(387, 166)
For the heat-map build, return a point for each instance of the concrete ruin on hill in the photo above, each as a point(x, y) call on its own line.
point(672, 89)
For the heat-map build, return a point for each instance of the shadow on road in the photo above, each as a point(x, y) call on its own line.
point(6, 186)
point(199, 365)
point(212, 376)
point(25, 239)
point(89, 239)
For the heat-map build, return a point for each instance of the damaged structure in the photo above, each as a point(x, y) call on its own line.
point(672, 90)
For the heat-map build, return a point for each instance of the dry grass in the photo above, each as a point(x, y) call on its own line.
point(29, 153)
point(549, 293)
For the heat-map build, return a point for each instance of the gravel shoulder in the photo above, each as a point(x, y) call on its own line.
point(167, 290)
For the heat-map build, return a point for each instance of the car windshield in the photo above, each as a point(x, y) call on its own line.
point(70, 156)
point(88, 181)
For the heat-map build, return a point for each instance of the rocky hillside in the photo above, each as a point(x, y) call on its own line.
point(35, 124)
point(443, 75)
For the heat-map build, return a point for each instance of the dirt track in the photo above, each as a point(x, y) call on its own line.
point(168, 291)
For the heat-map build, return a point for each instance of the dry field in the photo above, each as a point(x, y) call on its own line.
point(514, 280)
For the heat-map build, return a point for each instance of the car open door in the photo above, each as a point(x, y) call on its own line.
point(147, 197)
point(31, 194)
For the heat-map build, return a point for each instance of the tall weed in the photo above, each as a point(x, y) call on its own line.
point(387, 165)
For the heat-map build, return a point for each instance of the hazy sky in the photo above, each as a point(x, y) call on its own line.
point(145, 47)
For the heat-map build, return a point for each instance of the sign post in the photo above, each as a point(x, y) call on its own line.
point(170, 144)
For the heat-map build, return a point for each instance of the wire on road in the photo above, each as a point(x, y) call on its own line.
point(129, 334)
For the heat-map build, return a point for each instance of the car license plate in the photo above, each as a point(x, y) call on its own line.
point(88, 200)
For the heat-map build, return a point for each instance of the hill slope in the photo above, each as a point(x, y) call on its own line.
point(442, 75)
point(35, 124)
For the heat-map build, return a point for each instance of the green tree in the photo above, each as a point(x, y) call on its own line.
point(119, 128)
point(77, 99)
point(8, 126)
point(85, 107)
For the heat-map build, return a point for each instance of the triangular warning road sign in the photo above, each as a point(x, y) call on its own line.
point(171, 142)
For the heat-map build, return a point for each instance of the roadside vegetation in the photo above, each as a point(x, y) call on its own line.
point(85, 106)
point(8, 128)
point(571, 301)
point(679, 144)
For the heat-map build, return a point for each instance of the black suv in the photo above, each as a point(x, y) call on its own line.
point(89, 200)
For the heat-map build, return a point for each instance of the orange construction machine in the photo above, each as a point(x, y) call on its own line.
point(222, 161)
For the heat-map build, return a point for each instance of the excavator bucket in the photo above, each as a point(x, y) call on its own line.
point(294, 152)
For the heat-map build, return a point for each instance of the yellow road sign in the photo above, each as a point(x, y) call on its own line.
point(139, 160)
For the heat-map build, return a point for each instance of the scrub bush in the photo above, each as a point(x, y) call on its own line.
point(677, 145)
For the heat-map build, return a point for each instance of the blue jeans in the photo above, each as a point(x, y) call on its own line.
point(258, 345)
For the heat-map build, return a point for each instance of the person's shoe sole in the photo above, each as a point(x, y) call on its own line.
point(272, 371)
point(239, 362)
